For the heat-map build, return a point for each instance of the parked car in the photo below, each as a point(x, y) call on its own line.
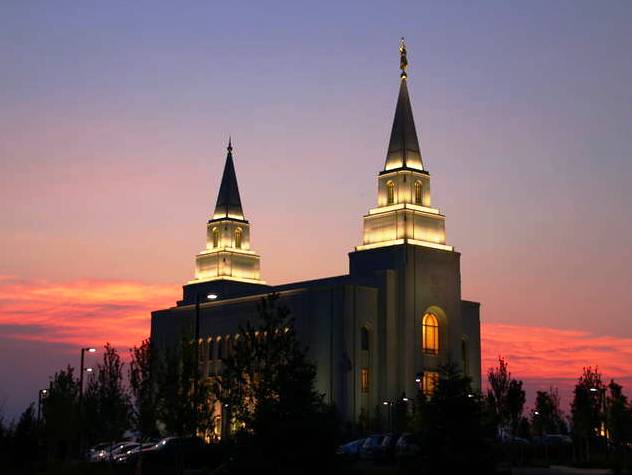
point(351, 450)
point(98, 452)
point(371, 446)
point(386, 451)
point(170, 452)
point(407, 446)
point(107, 451)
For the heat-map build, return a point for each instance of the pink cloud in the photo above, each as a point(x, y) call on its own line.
point(84, 312)
point(92, 312)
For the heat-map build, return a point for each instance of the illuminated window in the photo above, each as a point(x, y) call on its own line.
point(364, 380)
point(418, 193)
point(429, 382)
point(390, 193)
point(215, 237)
point(238, 238)
point(430, 334)
point(211, 349)
point(220, 348)
point(201, 350)
point(364, 339)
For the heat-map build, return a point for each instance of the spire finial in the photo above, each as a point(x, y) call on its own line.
point(403, 60)
point(230, 144)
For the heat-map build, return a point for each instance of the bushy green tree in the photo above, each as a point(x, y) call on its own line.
point(142, 385)
point(547, 417)
point(587, 408)
point(505, 398)
point(185, 403)
point(450, 427)
point(60, 411)
point(106, 401)
point(267, 386)
point(24, 442)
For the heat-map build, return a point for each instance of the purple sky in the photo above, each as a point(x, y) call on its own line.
point(114, 119)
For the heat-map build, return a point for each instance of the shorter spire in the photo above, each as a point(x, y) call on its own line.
point(403, 59)
point(228, 200)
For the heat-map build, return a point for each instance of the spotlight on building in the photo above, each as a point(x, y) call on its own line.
point(212, 296)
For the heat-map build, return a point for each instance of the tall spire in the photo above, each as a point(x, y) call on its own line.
point(403, 147)
point(228, 201)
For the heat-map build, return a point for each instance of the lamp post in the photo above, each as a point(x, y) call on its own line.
point(42, 393)
point(196, 336)
point(602, 402)
point(81, 371)
point(389, 404)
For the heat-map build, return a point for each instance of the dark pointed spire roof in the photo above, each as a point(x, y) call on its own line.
point(228, 201)
point(403, 148)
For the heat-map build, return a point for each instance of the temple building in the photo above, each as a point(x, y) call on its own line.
point(377, 334)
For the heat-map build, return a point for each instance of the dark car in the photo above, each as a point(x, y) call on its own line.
point(407, 446)
point(171, 453)
point(371, 447)
point(351, 450)
point(385, 453)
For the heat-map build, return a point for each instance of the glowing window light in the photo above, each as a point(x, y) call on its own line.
point(430, 334)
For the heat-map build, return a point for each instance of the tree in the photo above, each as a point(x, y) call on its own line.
point(619, 415)
point(184, 403)
point(450, 428)
point(106, 401)
point(547, 416)
point(267, 385)
point(586, 408)
point(60, 410)
point(505, 398)
point(143, 391)
point(24, 443)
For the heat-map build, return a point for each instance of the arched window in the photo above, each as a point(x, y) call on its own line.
point(215, 237)
point(418, 193)
point(238, 238)
point(390, 193)
point(211, 348)
point(430, 334)
point(220, 348)
point(364, 339)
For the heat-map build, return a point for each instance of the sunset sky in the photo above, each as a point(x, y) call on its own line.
point(114, 119)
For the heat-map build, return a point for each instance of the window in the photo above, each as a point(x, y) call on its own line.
point(364, 380)
point(238, 238)
point(430, 334)
point(220, 348)
point(418, 193)
point(390, 193)
point(201, 350)
point(211, 348)
point(215, 237)
point(364, 339)
point(429, 382)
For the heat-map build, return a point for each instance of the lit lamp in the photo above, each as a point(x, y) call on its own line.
point(42, 393)
point(198, 300)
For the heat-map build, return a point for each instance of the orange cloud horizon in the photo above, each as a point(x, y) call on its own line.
point(93, 312)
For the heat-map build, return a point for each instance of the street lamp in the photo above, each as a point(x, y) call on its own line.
point(81, 371)
point(196, 336)
point(42, 393)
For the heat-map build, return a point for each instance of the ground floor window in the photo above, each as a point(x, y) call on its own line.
point(429, 382)
point(364, 380)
